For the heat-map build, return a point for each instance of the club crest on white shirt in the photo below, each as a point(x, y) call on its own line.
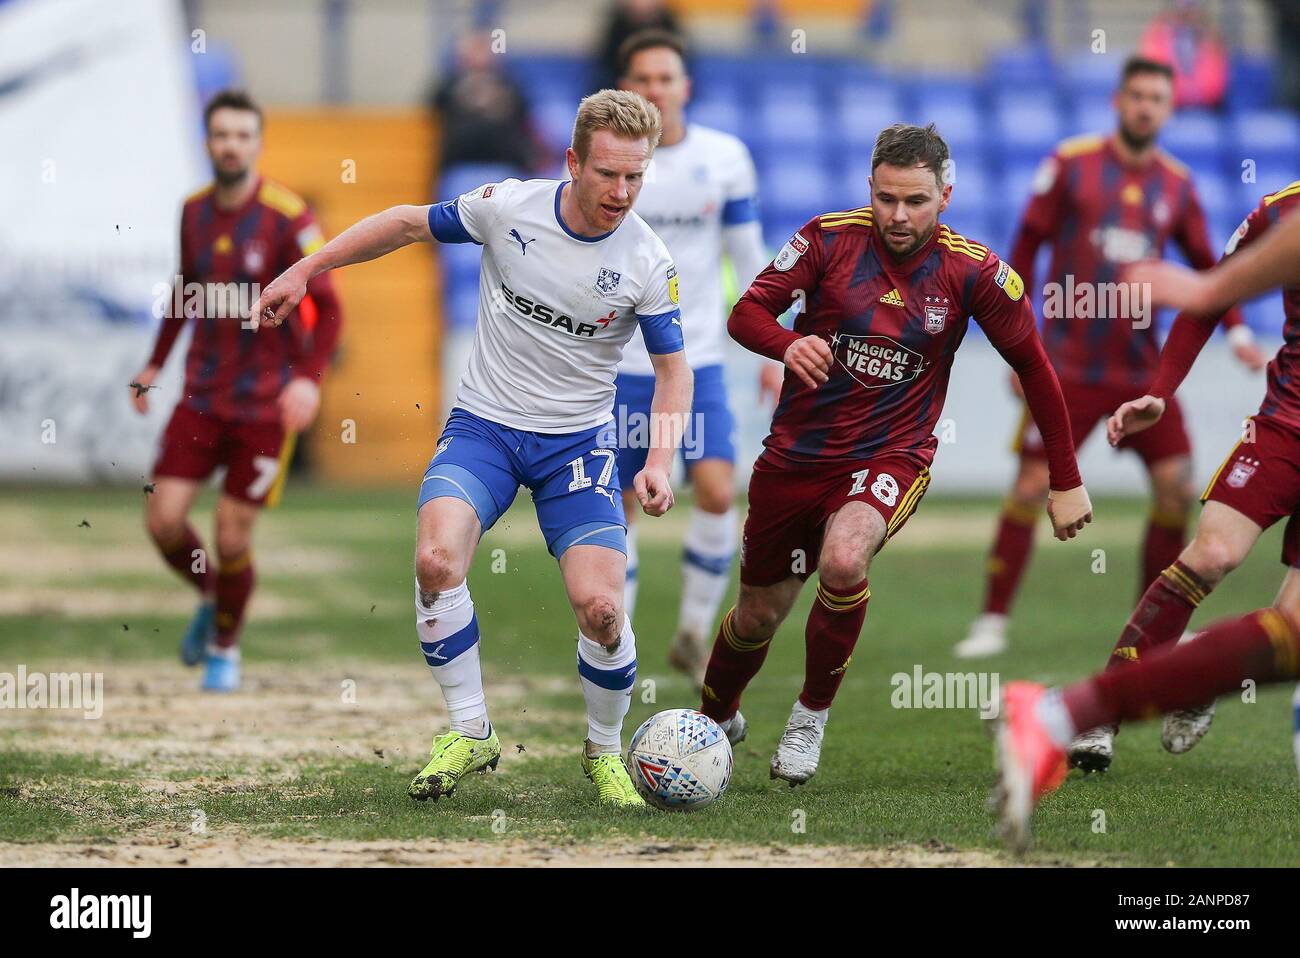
point(607, 280)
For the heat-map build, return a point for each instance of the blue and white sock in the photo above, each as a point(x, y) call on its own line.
point(448, 632)
point(607, 680)
point(630, 582)
point(708, 548)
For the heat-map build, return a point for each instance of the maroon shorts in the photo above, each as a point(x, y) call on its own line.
point(1261, 480)
point(1088, 405)
point(789, 506)
point(255, 455)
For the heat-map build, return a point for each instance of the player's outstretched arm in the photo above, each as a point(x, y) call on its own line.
point(373, 237)
point(674, 386)
point(1272, 261)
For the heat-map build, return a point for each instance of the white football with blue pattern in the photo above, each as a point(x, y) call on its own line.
point(680, 760)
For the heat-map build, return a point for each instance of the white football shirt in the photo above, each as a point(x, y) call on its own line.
point(693, 191)
point(555, 309)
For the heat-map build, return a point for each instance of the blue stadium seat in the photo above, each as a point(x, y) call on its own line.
point(973, 190)
point(1020, 67)
point(1266, 316)
point(1091, 114)
point(1252, 83)
point(1195, 137)
point(464, 177)
point(1027, 127)
point(861, 110)
point(795, 188)
point(1269, 137)
point(1092, 74)
point(790, 117)
point(721, 113)
point(959, 122)
point(553, 119)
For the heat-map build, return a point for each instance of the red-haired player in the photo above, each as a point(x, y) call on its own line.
point(1258, 484)
point(246, 394)
point(885, 292)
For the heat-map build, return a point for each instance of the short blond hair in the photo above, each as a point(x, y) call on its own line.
point(627, 115)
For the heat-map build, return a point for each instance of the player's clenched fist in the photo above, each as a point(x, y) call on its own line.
point(810, 358)
point(653, 491)
point(279, 299)
point(1134, 416)
point(1069, 511)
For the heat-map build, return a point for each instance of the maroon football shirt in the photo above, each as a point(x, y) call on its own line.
point(894, 328)
point(231, 372)
point(1100, 214)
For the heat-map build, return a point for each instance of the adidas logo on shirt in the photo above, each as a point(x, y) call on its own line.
point(892, 298)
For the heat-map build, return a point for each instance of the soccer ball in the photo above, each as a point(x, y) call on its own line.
point(680, 760)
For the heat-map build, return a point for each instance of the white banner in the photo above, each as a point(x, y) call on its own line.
point(101, 143)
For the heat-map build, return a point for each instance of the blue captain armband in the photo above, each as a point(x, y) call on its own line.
point(662, 332)
point(445, 223)
point(741, 210)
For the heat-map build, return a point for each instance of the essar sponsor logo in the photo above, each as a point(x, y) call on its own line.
point(549, 316)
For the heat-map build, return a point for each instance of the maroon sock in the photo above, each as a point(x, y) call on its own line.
point(1263, 646)
point(834, 625)
point(1162, 614)
point(1010, 556)
point(190, 560)
point(1164, 540)
point(234, 586)
point(734, 662)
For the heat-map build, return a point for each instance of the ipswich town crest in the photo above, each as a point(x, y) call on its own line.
point(607, 280)
point(1241, 472)
point(935, 315)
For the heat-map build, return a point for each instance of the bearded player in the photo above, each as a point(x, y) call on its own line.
point(1103, 202)
point(700, 197)
point(246, 396)
point(569, 274)
point(885, 292)
point(1257, 485)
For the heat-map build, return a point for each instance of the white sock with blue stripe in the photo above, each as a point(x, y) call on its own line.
point(630, 582)
point(607, 680)
point(707, 551)
point(448, 632)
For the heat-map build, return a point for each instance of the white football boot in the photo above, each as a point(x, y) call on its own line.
point(800, 747)
point(735, 728)
point(1184, 728)
point(987, 636)
point(1093, 750)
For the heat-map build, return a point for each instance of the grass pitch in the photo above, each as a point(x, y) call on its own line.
point(309, 763)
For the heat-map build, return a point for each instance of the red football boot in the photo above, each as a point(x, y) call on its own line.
point(1030, 765)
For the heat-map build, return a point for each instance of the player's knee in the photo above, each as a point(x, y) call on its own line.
point(716, 498)
point(756, 620)
point(232, 543)
point(842, 566)
point(1211, 556)
point(1175, 499)
point(437, 569)
point(600, 618)
point(165, 528)
point(1031, 488)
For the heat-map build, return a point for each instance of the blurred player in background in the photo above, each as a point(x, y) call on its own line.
point(887, 291)
point(1258, 484)
point(700, 196)
point(1103, 202)
point(569, 273)
point(246, 396)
